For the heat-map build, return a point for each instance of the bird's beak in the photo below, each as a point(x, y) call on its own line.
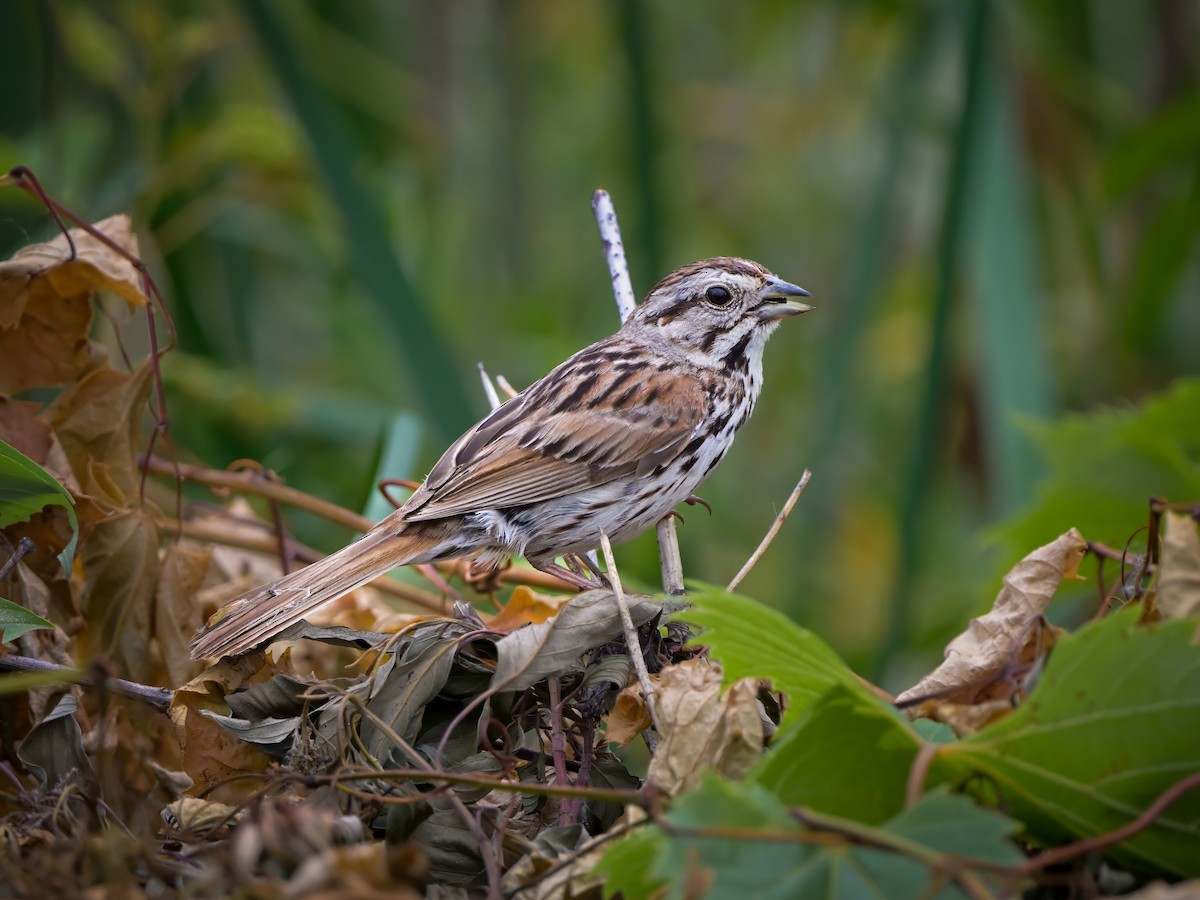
point(777, 300)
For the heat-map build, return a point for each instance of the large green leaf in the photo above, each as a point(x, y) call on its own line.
point(849, 755)
point(1114, 721)
point(26, 489)
point(735, 841)
point(754, 641)
point(1104, 466)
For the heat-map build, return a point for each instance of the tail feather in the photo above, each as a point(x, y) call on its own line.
point(252, 618)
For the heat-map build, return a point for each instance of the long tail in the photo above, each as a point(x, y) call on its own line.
point(265, 611)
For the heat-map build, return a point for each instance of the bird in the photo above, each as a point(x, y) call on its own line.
point(611, 440)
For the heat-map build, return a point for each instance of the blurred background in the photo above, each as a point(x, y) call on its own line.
point(350, 205)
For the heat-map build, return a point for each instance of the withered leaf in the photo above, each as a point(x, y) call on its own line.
point(176, 610)
point(98, 421)
point(995, 641)
point(272, 736)
point(209, 752)
point(703, 729)
point(525, 607)
point(1179, 575)
point(629, 716)
point(405, 685)
point(554, 647)
point(46, 304)
point(53, 749)
point(121, 568)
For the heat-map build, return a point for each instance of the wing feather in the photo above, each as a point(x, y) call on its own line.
point(553, 439)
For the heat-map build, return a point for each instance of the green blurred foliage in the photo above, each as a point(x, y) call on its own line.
point(995, 205)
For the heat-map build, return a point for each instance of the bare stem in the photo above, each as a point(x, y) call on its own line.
point(772, 531)
point(614, 252)
point(631, 636)
point(159, 698)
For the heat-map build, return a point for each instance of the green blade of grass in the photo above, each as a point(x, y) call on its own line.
point(443, 393)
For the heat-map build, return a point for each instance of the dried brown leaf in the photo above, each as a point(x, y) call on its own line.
point(628, 717)
point(525, 607)
point(98, 421)
point(1179, 575)
point(554, 647)
point(46, 304)
point(120, 569)
point(997, 641)
point(209, 752)
point(176, 609)
point(703, 729)
point(200, 817)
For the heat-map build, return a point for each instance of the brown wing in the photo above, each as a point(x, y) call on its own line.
point(592, 420)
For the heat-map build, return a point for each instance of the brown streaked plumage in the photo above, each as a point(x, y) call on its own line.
point(609, 441)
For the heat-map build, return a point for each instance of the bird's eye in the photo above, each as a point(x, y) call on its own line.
point(718, 296)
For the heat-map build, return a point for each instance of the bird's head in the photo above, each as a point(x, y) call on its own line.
point(718, 311)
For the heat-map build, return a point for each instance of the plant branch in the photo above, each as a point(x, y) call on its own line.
point(772, 531)
point(159, 698)
point(633, 644)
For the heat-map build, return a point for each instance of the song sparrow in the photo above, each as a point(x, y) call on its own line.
point(611, 440)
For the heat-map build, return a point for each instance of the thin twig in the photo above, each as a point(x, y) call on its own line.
point(558, 743)
point(508, 389)
point(631, 636)
point(159, 698)
point(1126, 831)
point(24, 546)
point(772, 531)
point(918, 773)
point(489, 389)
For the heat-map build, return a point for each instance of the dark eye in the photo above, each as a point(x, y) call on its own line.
point(718, 296)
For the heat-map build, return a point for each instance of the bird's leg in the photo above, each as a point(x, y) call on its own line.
point(577, 580)
point(575, 564)
point(588, 560)
point(692, 500)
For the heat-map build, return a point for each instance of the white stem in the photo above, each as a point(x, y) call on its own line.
point(614, 252)
point(669, 561)
point(489, 389)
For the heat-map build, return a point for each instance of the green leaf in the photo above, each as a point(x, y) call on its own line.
point(1113, 722)
point(625, 868)
point(754, 641)
point(735, 841)
point(26, 489)
point(1104, 465)
point(15, 620)
point(848, 755)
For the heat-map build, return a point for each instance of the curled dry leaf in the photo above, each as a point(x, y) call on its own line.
point(200, 817)
point(176, 612)
point(701, 729)
point(555, 647)
point(1179, 573)
point(98, 420)
point(210, 752)
point(629, 716)
point(995, 642)
point(525, 607)
point(46, 304)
